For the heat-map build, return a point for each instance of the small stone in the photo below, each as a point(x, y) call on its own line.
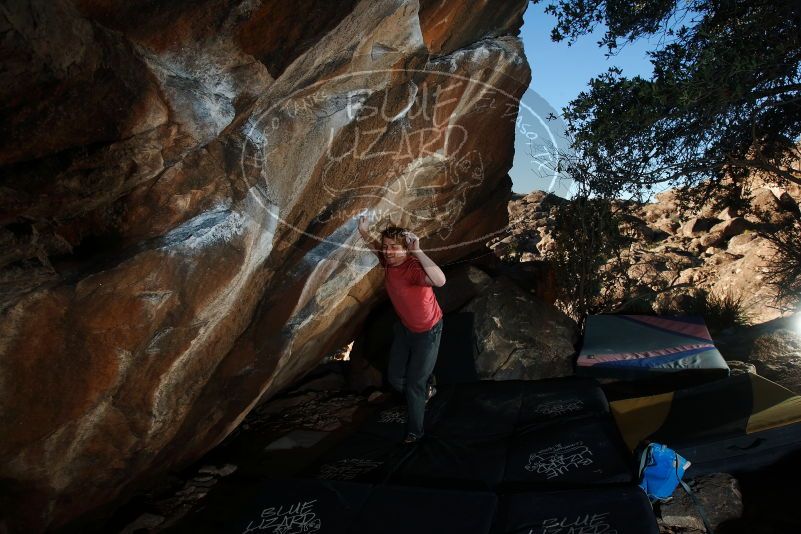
point(188, 490)
point(281, 405)
point(328, 382)
point(297, 439)
point(727, 213)
point(223, 471)
point(718, 493)
point(144, 521)
point(203, 482)
point(330, 426)
point(346, 413)
point(738, 367)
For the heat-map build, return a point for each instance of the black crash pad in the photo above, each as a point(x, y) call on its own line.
point(616, 510)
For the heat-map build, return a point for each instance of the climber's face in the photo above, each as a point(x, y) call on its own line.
point(394, 252)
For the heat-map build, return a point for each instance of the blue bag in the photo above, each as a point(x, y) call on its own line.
point(661, 470)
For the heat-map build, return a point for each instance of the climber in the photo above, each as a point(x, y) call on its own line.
point(408, 276)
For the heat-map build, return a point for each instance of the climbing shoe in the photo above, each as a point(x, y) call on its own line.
point(411, 439)
point(431, 391)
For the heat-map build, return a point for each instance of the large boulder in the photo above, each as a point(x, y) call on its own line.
point(637, 229)
point(788, 203)
point(180, 189)
point(538, 277)
point(773, 348)
point(695, 226)
point(502, 303)
point(520, 337)
point(732, 227)
point(777, 356)
point(764, 200)
point(768, 207)
point(370, 354)
point(464, 282)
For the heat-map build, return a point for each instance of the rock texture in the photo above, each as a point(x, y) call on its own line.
point(777, 356)
point(519, 337)
point(720, 496)
point(517, 334)
point(179, 191)
point(771, 349)
point(722, 253)
point(279, 438)
point(465, 282)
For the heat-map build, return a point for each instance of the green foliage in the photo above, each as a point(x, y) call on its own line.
point(586, 236)
point(784, 273)
point(719, 311)
point(725, 96)
point(641, 304)
point(724, 101)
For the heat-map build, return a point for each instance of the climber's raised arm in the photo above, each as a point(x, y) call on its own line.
point(434, 275)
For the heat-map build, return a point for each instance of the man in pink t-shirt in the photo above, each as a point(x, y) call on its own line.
point(409, 275)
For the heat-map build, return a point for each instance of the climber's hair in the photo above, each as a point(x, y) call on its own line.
point(395, 233)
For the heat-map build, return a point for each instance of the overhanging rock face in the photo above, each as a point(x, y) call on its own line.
point(179, 199)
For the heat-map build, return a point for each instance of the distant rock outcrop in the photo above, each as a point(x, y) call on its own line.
point(720, 252)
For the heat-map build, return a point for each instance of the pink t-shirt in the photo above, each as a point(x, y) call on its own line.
point(413, 299)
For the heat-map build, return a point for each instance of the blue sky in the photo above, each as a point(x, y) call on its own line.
point(558, 74)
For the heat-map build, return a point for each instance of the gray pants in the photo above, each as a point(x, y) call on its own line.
point(411, 362)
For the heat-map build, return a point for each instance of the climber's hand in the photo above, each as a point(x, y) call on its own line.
point(364, 226)
point(412, 242)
